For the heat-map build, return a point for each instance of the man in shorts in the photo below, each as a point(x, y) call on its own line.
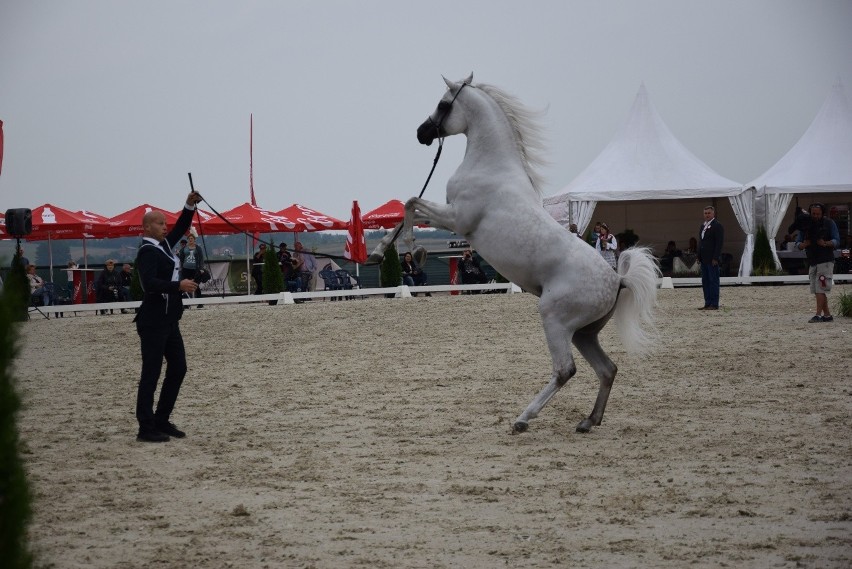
point(818, 241)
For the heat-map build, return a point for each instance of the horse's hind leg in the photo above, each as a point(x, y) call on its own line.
point(588, 345)
point(559, 342)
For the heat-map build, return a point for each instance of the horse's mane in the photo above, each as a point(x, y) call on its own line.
point(527, 130)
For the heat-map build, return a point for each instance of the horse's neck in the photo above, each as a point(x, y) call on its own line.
point(490, 140)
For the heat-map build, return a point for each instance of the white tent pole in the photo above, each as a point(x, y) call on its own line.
point(50, 255)
point(248, 267)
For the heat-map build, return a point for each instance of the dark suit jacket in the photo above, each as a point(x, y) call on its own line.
point(710, 247)
point(162, 302)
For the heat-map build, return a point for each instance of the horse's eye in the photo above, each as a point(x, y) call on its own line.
point(443, 106)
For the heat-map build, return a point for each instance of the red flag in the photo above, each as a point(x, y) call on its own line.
point(1, 146)
point(356, 246)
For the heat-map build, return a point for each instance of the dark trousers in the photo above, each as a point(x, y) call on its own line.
point(158, 342)
point(710, 284)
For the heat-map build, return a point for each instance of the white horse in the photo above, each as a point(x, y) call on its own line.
point(494, 201)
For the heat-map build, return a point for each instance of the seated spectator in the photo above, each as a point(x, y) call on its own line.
point(39, 288)
point(126, 276)
point(412, 275)
point(471, 271)
point(108, 285)
point(843, 264)
point(669, 254)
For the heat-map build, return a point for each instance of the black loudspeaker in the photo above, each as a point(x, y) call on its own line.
point(19, 222)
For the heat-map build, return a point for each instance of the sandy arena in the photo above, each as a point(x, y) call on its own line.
point(375, 433)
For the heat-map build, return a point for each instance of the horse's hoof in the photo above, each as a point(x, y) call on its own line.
point(519, 427)
point(584, 426)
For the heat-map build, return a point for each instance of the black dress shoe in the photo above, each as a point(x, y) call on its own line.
point(152, 437)
point(169, 429)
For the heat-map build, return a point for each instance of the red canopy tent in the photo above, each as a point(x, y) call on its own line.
point(250, 218)
point(386, 215)
point(129, 223)
point(310, 219)
point(52, 222)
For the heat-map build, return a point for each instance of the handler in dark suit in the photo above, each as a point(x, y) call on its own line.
point(712, 235)
point(157, 322)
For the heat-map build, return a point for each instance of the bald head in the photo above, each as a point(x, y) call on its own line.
point(154, 225)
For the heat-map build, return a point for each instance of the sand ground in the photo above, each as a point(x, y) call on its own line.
point(375, 433)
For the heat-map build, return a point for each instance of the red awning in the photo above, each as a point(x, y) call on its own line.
point(129, 223)
point(53, 222)
point(251, 218)
point(311, 219)
point(385, 216)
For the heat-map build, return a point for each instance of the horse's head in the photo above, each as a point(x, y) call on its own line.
point(447, 119)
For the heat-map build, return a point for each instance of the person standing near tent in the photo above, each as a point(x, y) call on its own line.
point(607, 245)
point(818, 241)
point(157, 322)
point(712, 236)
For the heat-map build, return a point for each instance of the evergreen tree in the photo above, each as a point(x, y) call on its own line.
point(136, 292)
point(273, 278)
point(15, 497)
point(391, 268)
point(762, 262)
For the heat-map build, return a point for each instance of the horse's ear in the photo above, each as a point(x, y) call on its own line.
point(469, 79)
point(448, 82)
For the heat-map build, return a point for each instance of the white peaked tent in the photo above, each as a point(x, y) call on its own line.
point(644, 161)
point(820, 162)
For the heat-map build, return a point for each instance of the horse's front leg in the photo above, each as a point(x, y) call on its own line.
point(379, 252)
point(424, 212)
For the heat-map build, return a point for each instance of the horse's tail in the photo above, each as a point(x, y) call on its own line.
point(634, 310)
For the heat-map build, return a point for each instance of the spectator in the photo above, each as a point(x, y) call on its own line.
point(572, 227)
point(69, 270)
point(191, 262)
point(843, 265)
point(126, 276)
point(257, 268)
point(18, 257)
point(607, 245)
point(288, 271)
point(596, 232)
point(304, 262)
point(180, 246)
point(38, 287)
point(818, 241)
point(108, 286)
point(667, 260)
point(710, 249)
point(412, 275)
point(471, 270)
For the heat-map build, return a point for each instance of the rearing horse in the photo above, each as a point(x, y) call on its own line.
point(494, 201)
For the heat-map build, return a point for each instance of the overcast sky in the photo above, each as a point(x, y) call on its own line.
point(108, 104)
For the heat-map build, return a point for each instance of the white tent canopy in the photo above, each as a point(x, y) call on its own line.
point(645, 161)
point(820, 162)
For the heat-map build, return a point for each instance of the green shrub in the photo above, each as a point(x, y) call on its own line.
point(762, 262)
point(844, 304)
point(136, 292)
point(273, 278)
point(391, 268)
point(15, 498)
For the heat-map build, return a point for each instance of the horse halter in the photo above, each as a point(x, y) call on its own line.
point(445, 109)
